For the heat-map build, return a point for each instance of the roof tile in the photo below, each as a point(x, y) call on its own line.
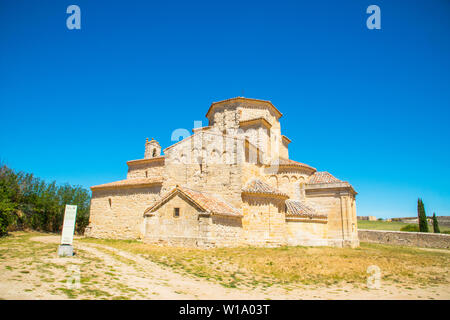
point(258, 186)
point(298, 208)
point(323, 177)
point(289, 162)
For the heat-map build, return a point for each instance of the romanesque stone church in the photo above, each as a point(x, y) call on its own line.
point(230, 183)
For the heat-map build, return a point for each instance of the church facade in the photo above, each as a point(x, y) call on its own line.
point(230, 183)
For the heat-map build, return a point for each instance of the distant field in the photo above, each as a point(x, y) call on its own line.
point(389, 226)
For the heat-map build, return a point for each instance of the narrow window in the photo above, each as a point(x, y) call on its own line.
point(154, 152)
point(110, 202)
point(176, 212)
point(146, 174)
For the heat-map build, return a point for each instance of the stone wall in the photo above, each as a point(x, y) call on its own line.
point(264, 220)
point(302, 233)
point(259, 136)
point(118, 213)
point(226, 231)
point(284, 149)
point(340, 206)
point(288, 180)
point(207, 161)
point(146, 169)
point(411, 239)
point(185, 230)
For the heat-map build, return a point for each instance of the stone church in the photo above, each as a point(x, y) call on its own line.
point(230, 183)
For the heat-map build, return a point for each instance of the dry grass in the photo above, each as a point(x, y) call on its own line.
point(293, 266)
point(23, 260)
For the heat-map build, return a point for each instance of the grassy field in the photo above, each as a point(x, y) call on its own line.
point(293, 266)
point(120, 269)
point(390, 226)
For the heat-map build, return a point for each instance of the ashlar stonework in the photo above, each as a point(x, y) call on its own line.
point(230, 183)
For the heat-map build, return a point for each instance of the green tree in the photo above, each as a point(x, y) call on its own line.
point(8, 198)
point(423, 223)
point(435, 224)
point(27, 202)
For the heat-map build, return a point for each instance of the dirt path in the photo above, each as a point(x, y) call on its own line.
point(122, 274)
point(155, 281)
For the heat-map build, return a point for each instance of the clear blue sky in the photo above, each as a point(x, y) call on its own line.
point(369, 106)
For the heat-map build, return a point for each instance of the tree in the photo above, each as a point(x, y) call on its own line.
point(27, 202)
point(435, 224)
point(8, 197)
point(423, 223)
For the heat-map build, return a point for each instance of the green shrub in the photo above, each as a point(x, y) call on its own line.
point(410, 228)
point(446, 232)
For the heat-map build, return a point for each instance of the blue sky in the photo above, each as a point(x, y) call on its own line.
point(369, 106)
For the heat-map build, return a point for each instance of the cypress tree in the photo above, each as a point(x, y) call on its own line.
point(423, 223)
point(435, 224)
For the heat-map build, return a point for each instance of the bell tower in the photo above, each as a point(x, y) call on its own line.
point(152, 149)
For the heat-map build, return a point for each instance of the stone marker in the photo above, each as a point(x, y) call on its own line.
point(66, 248)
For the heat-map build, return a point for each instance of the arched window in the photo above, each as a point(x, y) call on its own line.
point(154, 153)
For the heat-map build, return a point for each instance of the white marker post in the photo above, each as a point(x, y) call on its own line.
point(70, 215)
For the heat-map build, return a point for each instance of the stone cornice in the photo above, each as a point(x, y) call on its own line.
point(142, 161)
point(304, 219)
point(129, 184)
point(266, 195)
point(201, 129)
point(328, 186)
point(286, 139)
point(261, 121)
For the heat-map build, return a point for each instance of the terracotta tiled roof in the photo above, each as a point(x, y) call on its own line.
point(129, 183)
point(260, 187)
point(245, 99)
point(205, 202)
point(323, 177)
point(298, 208)
point(289, 162)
